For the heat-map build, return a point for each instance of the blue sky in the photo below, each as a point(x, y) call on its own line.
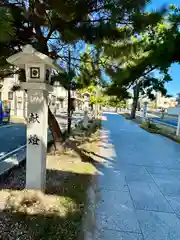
point(173, 87)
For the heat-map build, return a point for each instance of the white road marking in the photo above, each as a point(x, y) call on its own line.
point(12, 152)
point(2, 154)
point(5, 126)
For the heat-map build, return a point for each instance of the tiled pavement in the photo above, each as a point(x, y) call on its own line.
point(139, 184)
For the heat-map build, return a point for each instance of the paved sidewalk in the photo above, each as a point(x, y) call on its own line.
point(139, 185)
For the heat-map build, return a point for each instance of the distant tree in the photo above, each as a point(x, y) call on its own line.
point(134, 61)
point(113, 101)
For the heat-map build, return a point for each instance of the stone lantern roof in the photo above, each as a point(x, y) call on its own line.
point(29, 54)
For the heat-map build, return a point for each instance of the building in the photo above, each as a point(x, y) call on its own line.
point(165, 102)
point(17, 99)
point(58, 99)
point(159, 103)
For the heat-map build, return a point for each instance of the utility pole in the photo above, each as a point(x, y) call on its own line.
point(69, 91)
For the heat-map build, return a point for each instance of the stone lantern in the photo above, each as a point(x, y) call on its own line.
point(86, 97)
point(37, 70)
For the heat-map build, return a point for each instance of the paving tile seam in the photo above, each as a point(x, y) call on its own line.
point(162, 193)
point(146, 166)
point(110, 189)
point(178, 160)
point(147, 210)
point(172, 169)
point(144, 181)
point(121, 231)
point(159, 173)
point(163, 168)
point(118, 230)
point(169, 174)
point(135, 211)
point(141, 165)
point(153, 211)
point(172, 195)
point(113, 190)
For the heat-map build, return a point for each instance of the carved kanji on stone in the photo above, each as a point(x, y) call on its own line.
point(33, 117)
point(34, 140)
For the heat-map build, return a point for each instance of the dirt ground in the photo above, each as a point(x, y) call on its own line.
point(57, 213)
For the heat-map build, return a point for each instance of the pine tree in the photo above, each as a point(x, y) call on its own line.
point(52, 26)
point(135, 60)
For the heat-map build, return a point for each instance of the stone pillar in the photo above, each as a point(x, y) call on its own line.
point(37, 125)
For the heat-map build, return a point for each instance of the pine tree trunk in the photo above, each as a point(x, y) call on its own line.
point(136, 90)
point(69, 112)
point(69, 93)
point(55, 130)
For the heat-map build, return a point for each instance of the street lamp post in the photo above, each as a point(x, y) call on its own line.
point(37, 69)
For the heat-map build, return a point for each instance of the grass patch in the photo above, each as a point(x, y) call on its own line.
point(150, 127)
point(153, 128)
point(57, 213)
point(169, 135)
point(128, 117)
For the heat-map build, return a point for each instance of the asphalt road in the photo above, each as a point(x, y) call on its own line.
point(13, 138)
point(171, 122)
point(168, 120)
point(14, 135)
